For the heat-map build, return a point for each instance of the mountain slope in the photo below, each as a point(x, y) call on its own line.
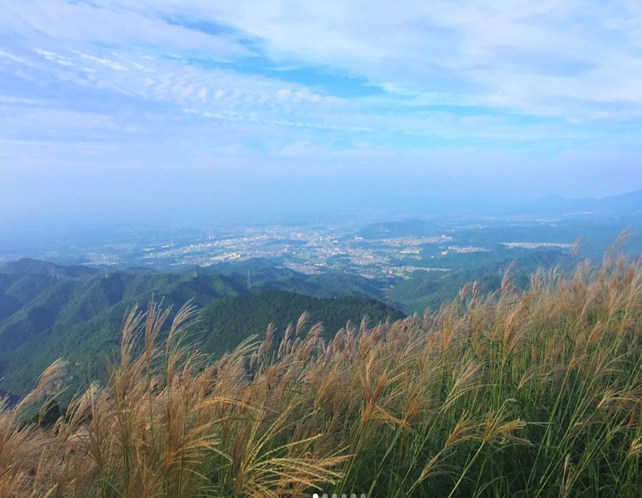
point(37, 267)
point(429, 290)
point(265, 275)
point(78, 320)
point(226, 322)
point(52, 311)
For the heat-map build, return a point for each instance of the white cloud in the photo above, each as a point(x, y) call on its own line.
point(84, 22)
point(487, 73)
point(12, 58)
point(547, 57)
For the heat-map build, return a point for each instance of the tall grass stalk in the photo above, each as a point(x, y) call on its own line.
point(530, 393)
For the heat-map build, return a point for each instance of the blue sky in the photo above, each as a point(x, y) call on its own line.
point(442, 98)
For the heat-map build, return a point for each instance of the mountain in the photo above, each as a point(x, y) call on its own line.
point(79, 319)
point(397, 229)
point(430, 289)
point(534, 394)
point(28, 266)
point(226, 322)
point(48, 311)
point(16, 290)
point(626, 204)
point(263, 274)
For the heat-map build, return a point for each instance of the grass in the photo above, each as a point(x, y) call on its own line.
point(534, 393)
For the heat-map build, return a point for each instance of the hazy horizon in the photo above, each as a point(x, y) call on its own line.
point(282, 107)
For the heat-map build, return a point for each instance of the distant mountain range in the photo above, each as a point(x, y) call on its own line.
point(625, 204)
point(49, 311)
point(396, 229)
point(431, 289)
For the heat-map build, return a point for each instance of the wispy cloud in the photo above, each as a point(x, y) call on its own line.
point(271, 81)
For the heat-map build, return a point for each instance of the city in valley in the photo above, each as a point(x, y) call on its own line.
point(409, 262)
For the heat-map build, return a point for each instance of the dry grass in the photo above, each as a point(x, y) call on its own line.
point(535, 393)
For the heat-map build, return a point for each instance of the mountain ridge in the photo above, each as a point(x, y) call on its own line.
point(77, 316)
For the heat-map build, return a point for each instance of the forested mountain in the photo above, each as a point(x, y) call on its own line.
point(469, 402)
point(430, 289)
point(224, 323)
point(49, 311)
point(44, 317)
point(263, 274)
point(28, 266)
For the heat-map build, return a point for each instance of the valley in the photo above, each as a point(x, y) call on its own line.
point(244, 278)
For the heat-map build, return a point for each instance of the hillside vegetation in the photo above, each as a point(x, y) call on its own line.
point(429, 289)
point(535, 393)
point(49, 311)
point(225, 323)
point(48, 317)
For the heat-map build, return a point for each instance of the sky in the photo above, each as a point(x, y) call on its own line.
point(258, 105)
